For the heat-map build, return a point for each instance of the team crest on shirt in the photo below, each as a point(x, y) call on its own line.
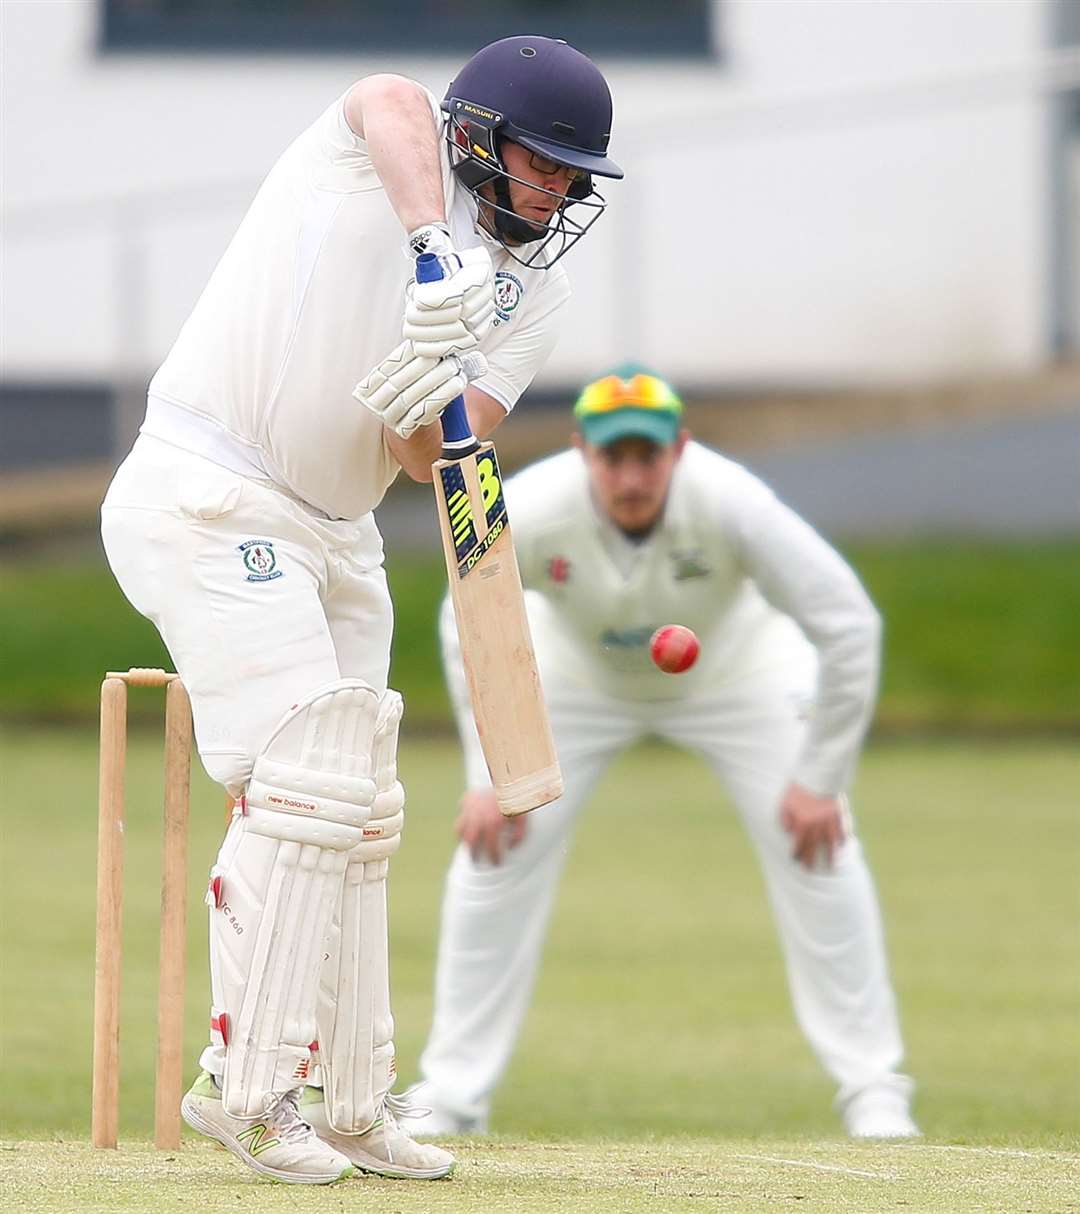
point(688, 564)
point(260, 560)
point(558, 569)
point(509, 291)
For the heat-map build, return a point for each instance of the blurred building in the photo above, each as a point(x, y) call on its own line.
point(818, 194)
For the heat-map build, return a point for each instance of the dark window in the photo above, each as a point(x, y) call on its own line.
point(637, 27)
point(47, 424)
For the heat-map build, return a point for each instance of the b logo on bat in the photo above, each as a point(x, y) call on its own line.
point(468, 548)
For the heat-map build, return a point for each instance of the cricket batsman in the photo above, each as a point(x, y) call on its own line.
point(311, 370)
point(634, 528)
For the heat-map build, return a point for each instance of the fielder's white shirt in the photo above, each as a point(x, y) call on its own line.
point(728, 560)
point(308, 297)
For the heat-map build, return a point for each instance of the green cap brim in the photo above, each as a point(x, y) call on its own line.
point(601, 429)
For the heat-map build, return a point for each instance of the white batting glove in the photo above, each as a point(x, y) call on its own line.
point(453, 315)
point(407, 391)
point(431, 238)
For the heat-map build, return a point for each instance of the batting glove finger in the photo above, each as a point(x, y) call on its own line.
point(394, 388)
point(479, 314)
point(466, 295)
point(437, 332)
point(438, 340)
point(449, 379)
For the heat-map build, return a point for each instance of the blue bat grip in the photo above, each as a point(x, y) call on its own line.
point(458, 438)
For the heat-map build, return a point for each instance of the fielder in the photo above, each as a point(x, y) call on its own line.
point(635, 528)
point(312, 370)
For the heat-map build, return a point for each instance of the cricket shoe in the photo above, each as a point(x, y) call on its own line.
point(429, 1120)
point(384, 1148)
point(280, 1144)
point(882, 1110)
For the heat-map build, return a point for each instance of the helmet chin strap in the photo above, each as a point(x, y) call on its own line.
point(508, 224)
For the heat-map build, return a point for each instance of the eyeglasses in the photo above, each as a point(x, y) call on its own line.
point(551, 167)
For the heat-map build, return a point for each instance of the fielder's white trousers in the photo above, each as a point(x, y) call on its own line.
point(258, 597)
point(494, 917)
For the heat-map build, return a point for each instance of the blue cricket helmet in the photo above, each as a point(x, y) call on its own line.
point(549, 98)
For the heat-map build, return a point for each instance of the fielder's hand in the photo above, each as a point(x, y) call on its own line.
point(453, 315)
point(406, 391)
point(815, 824)
point(483, 829)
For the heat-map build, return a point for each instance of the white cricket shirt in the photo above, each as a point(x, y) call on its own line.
point(728, 560)
point(308, 297)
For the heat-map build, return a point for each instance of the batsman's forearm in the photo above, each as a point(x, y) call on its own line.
point(418, 452)
point(393, 115)
point(485, 412)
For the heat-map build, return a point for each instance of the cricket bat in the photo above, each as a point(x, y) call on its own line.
point(489, 608)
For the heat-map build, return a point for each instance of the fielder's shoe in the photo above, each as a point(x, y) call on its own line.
point(882, 1110)
point(280, 1145)
point(430, 1120)
point(385, 1149)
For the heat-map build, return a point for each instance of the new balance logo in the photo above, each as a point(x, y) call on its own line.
point(257, 1133)
point(460, 515)
point(291, 803)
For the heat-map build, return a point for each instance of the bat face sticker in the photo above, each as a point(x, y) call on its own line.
point(469, 546)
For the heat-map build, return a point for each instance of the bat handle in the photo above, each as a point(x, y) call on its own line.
point(458, 438)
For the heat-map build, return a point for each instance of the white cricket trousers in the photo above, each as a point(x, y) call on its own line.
point(494, 917)
point(258, 597)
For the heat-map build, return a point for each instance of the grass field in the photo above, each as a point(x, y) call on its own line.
point(977, 636)
point(499, 1176)
point(660, 1068)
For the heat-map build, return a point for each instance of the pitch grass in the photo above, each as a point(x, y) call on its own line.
point(660, 1066)
point(978, 636)
point(658, 1176)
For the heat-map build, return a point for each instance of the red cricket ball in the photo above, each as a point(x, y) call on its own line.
point(674, 648)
